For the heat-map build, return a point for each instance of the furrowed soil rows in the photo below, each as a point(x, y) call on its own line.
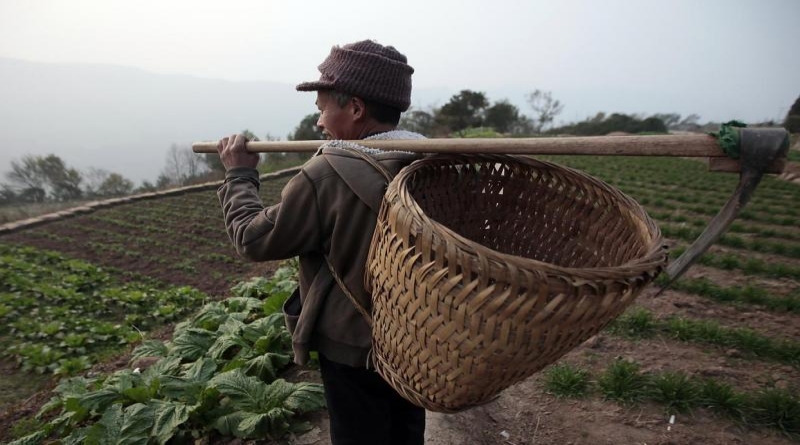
point(179, 240)
point(733, 320)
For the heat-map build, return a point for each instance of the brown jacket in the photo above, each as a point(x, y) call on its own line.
point(329, 208)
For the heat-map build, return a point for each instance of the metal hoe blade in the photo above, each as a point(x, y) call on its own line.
point(759, 148)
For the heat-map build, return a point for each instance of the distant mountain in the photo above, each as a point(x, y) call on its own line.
point(125, 119)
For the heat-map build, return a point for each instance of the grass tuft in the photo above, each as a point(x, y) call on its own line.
point(776, 408)
point(635, 323)
point(623, 382)
point(566, 380)
point(721, 398)
point(676, 391)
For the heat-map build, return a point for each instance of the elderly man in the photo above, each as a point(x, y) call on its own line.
point(326, 217)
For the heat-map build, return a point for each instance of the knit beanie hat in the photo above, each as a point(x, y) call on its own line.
point(368, 70)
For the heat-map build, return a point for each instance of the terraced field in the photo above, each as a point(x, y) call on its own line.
point(719, 351)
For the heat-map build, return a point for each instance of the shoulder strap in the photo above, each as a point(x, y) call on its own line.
point(388, 176)
point(361, 309)
point(371, 161)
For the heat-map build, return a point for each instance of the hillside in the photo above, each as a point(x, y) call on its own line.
point(125, 119)
point(733, 320)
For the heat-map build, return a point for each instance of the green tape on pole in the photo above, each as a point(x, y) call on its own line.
point(728, 138)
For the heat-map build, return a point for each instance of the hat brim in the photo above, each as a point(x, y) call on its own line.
point(315, 86)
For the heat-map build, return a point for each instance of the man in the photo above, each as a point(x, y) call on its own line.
point(326, 217)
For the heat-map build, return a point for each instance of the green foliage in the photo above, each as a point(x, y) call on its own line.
point(480, 132)
point(622, 381)
point(776, 408)
point(81, 311)
point(734, 295)
point(601, 125)
point(307, 129)
point(639, 322)
point(723, 399)
point(220, 372)
point(502, 116)
point(636, 322)
point(464, 110)
point(115, 185)
point(566, 380)
point(40, 177)
point(676, 391)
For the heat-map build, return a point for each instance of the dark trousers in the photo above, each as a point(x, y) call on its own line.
point(365, 410)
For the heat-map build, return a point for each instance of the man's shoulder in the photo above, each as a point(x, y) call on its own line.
point(318, 168)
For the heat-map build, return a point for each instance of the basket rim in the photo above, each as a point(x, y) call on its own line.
point(652, 259)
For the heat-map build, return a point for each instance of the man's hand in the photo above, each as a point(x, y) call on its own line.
point(233, 154)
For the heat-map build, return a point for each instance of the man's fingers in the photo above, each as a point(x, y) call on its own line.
point(240, 140)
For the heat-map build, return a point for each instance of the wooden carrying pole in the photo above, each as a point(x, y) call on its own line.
point(694, 145)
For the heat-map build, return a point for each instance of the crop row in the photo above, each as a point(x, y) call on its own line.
point(61, 315)
point(219, 376)
point(745, 263)
point(641, 323)
point(624, 381)
point(781, 248)
point(668, 172)
point(680, 216)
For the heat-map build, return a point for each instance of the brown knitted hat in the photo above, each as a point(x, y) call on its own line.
point(368, 70)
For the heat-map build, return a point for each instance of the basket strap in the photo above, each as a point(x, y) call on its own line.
point(361, 309)
point(371, 161)
point(388, 176)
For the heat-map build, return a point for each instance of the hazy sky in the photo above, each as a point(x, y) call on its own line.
point(720, 59)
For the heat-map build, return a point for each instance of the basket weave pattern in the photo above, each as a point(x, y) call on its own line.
point(486, 268)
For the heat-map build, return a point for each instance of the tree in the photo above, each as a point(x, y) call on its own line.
point(146, 187)
point(418, 121)
point(792, 121)
point(501, 116)
point(182, 166)
point(545, 108)
point(670, 120)
point(690, 122)
point(464, 110)
point(601, 124)
point(25, 173)
point(7, 195)
point(93, 178)
point(40, 177)
point(115, 185)
point(307, 129)
point(523, 126)
point(652, 125)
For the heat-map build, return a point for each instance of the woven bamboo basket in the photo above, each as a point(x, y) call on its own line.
point(485, 269)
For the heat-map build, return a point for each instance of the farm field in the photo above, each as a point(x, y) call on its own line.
point(720, 350)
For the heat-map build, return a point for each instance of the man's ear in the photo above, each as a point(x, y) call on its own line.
point(358, 108)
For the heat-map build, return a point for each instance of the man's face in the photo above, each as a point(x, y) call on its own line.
point(334, 121)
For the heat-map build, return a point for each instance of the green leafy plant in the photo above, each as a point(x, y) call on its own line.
point(776, 408)
point(623, 381)
point(218, 375)
point(676, 391)
point(723, 399)
point(636, 322)
point(566, 380)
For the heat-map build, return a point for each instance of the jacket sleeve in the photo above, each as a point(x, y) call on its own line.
point(281, 231)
